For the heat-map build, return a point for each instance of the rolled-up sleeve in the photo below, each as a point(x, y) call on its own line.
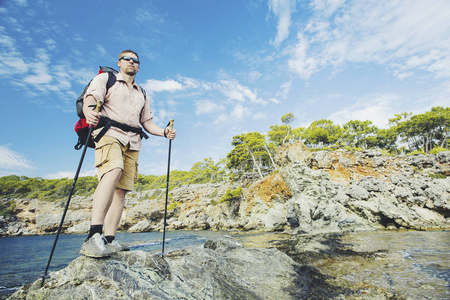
point(97, 87)
point(146, 111)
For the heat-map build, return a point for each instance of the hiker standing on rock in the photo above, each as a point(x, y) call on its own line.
point(117, 152)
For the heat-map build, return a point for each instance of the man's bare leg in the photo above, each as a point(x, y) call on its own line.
point(104, 195)
point(114, 213)
point(94, 245)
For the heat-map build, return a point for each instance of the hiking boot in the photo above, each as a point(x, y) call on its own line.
point(95, 247)
point(114, 247)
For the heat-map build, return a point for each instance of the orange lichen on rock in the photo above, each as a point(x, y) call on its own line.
point(357, 168)
point(346, 174)
point(270, 188)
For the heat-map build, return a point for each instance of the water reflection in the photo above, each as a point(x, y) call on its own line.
point(409, 264)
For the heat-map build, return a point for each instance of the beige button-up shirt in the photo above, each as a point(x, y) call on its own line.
point(123, 104)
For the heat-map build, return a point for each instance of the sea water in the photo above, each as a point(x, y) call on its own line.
point(423, 274)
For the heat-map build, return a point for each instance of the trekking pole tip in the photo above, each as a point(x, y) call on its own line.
point(45, 276)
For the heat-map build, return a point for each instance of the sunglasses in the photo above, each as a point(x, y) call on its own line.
point(128, 58)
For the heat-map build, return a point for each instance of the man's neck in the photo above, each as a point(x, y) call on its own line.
point(129, 79)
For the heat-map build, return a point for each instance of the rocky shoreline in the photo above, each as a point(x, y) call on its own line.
point(306, 212)
point(259, 266)
point(311, 192)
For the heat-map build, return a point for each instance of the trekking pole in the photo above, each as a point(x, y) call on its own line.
point(91, 128)
point(167, 189)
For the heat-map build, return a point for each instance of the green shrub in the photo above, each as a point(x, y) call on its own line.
point(231, 195)
point(8, 208)
point(214, 194)
point(437, 176)
point(173, 205)
point(417, 152)
point(436, 150)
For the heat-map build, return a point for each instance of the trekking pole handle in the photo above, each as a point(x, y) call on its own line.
point(98, 107)
point(171, 124)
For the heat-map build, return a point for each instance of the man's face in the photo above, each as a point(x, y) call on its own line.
point(127, 65)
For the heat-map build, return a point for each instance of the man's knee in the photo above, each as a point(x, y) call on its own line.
point(112, 175)
point(117, 172)
point(120, 194)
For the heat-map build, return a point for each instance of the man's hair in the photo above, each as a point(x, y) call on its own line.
point(128, 51)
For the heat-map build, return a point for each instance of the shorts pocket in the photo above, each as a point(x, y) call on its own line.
point(102, 154)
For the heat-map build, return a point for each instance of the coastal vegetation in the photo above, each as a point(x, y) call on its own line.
point(254, 152)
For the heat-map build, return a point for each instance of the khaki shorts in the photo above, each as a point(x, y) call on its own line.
point(111, 154)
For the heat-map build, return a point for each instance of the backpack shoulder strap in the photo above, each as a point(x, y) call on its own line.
point(143, 92)
point(111, 80)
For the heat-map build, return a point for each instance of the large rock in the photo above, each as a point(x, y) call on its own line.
point(336, 191)
point(223, 269)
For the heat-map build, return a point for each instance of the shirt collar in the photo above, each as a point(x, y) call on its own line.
point(119, 77)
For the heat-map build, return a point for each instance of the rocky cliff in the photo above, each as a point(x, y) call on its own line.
point(312, 192)
point(339, 191)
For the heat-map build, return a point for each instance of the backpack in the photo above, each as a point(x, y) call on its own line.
point(82, 128)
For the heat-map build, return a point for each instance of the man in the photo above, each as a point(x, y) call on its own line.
point(116, 153)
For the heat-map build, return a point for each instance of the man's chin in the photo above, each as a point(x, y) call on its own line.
point(131, 72)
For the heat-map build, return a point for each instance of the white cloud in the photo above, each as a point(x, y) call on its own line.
point(10, 66)
point(227, 101)
point(239, 112)
point(21, 2)
point(51, 44)
point(207, 107)
point(328, 7)
point(153, 85)
point(376, 108)
point(254, 76)
point(259, 116)
point(285, 89)
point(41, 77)
point(231, 120)
point(69, 174)
point(233, 90)
point(405, 35)
point(302, 62)
point(100, 50)
point(146, 16)
point(172, 103)
point(282, 9)
point(192, 83)
point(11, 160)
point(275, 100)
point(222, 119)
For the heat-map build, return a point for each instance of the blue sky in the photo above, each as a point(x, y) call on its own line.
point(219, 68)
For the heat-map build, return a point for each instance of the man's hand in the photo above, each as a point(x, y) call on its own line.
point(154, 129)
point(92, 115)
point(170, 133)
